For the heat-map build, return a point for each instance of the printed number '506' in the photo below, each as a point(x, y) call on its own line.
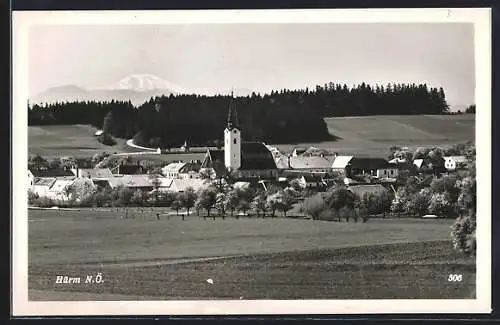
point(454, 277)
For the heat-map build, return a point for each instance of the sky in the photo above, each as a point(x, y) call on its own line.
point(207, 58)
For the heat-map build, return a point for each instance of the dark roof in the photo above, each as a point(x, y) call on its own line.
point(212, 157)
point(51, 172)
point(254, 156)
point(130, 169)
point(368, 163)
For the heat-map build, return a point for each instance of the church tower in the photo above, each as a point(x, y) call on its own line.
point(232, 140)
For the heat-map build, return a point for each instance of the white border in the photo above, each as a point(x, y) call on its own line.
point(21, 22)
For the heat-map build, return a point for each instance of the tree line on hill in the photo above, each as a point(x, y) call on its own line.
point(285, 116)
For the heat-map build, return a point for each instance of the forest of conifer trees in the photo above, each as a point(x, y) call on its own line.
point(280, 117)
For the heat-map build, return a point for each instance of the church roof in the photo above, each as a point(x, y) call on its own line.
point(254, 156)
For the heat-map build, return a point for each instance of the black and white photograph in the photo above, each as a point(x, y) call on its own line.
point(275, 161)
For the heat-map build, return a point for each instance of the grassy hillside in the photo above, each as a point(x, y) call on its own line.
point(280, 258)
point(67, 140)
point(373, 135)
point(367, 135)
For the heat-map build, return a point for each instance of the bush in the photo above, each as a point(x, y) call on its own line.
point(327, 215)
point(347, 213)
point(32, 197)
point(313, 206)
point(106, 139)
point(44, 202)
point(463, 235)
point(441, 205)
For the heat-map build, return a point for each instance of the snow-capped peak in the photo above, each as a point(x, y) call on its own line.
point(145, 82)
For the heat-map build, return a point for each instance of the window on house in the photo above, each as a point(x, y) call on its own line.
point(234, 141)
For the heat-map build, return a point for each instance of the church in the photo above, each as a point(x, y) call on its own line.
point(248, 161)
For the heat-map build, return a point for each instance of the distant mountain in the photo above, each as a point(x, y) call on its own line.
point(137, 88)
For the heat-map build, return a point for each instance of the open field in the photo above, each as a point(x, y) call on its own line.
point(67, 140)
point(365, 135)
point(373, 135)
point(249, 258)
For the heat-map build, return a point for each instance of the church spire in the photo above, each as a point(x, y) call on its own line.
point(232, 117)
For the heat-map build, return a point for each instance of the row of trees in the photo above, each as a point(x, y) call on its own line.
point(224, 199)
point(339, 203)
point(279, 117)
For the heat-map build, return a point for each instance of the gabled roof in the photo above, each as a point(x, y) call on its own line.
point(313, 151)
point(173, 167)
point(418, 162)
point(60, 184)
point(360, 190)
point(458, 159)
point(165, 182)
point(95, 172)
point(341, 162)
point(134, 181)
point(115, 181)
point(369, 163)
point(304, 162)
point(212, 157)
point(255, 155)
point(50, 172)
point(44, 181)
point(130, 169)
point(182, 185)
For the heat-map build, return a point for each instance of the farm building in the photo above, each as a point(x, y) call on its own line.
point(298, 151)
point(182, 169)
point(42, 172)
point(41, 186)
point(375, 167)
point(308, 164)
point(129, 169)
point(92, 173)
point(361, 190)
point(181, 185)
point(455, 162)
point(312, 182)
point(313, 151)
point(135, 182)
point(172, 170)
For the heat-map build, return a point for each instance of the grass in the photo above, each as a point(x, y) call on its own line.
point(373, 135)
point(275, 259)
point(366, 135)
point(67, 140)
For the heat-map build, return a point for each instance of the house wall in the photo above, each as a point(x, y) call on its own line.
point(450, 164)
point(40, 190)
point(268, 173)
point(387, 173)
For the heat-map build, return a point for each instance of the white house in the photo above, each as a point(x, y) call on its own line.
point(455, 162)
point(172, 170)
